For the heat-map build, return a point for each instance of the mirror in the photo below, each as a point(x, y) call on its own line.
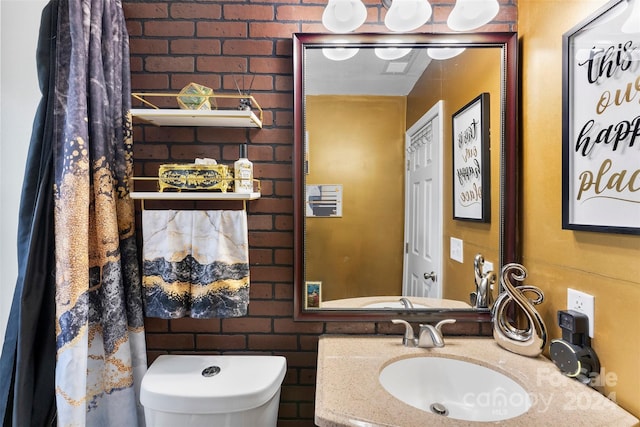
point(360, 120)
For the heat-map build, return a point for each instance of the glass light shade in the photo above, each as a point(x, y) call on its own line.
point(392, 53)
point(343, 16)
point(339, 53)
point(442, 53)
point(470, 14)
point(632, 24)
point(407, 15)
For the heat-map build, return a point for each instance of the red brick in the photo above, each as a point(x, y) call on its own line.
point(169, 28)
point(149, 82)
point(266, 274)
point(221, 64)
point(247, 47)
point(270, 308)
point(189, 10)
point(246, 325)
point(271, 30)
point(188, 324)
point(169, 63)
point(273, 342)
point(145, 10)
point(170, 341)
point(221, 29)
point(260, 290)
point(195, 46)
point(297, 13)
point(148, 46)
point(235, 12)
point(221, 342)
point(260, 222)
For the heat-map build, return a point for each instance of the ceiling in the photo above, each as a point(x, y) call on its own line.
point(363, 74)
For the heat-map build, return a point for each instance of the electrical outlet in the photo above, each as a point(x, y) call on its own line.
point(487, 267)
point(584, 303)
point(455, 249)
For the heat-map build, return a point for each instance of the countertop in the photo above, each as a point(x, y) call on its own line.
point(348, 392)
point(363, 302)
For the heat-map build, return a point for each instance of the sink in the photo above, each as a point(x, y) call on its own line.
point(455, 389)
point(391, 304)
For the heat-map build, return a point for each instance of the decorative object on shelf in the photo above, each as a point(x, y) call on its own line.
point(243, 172)
point(223, 116)
point(468, 15)
point(512, 305)
point(344, 16)
point(192, 176)
point(471, 172)
point(199, 99)
point(600, 144)
point(245, 102)
point(483, 296)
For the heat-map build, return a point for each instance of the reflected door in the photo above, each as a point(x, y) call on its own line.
point(423, 217)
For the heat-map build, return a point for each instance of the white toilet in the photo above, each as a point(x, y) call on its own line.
point(220, 391)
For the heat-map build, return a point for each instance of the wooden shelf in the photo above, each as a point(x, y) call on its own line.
point(192, 195)
point(215, 118)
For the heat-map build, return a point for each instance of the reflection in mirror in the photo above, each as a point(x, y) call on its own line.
point(374, 171)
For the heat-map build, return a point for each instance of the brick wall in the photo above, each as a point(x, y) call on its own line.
point(215, 43)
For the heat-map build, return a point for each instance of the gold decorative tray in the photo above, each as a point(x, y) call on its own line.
point(194, 177)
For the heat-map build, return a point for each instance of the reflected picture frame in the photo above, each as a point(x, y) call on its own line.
point(470, 157)
point(312, 294)
point(600, 145)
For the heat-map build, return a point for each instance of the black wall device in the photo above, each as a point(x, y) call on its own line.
point(572, 354)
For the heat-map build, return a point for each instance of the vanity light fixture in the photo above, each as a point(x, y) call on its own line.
point(391, 53)
point(406, 15)
point(632, 24)
point(344, 16)
point(340, 53)
point(470, 14)
point(442, 53)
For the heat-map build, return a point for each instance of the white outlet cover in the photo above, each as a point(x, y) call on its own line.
point(455, 249)
point(584, 303)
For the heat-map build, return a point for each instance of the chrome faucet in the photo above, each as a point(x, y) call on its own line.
point(406, 302)
point(430, 336)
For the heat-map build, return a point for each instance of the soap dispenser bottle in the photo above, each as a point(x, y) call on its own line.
point(243, 172)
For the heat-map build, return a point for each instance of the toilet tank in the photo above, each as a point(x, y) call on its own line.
point(194, 391)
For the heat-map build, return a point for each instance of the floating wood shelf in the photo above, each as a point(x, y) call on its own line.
point(214, 118)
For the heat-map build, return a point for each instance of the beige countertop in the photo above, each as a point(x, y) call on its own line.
point(363, 302)
point(348, 392)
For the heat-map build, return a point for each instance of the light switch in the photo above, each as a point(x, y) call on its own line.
point(455, 249)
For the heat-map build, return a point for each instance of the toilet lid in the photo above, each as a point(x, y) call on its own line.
point(211, 384)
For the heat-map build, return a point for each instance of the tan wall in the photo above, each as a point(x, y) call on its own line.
point(459, 88)
point(604, 265)
point(357, 142)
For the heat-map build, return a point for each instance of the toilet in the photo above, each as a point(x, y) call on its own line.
point(213, 391)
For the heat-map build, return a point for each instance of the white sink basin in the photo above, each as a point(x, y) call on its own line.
point(391, 304)
point(455, 389)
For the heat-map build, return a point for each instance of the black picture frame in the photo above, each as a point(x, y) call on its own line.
point(600, 121)
point(470, 144)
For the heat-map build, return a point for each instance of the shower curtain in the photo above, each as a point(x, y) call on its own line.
point(76, 239)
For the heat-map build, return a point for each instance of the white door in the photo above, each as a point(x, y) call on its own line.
point(423, 207)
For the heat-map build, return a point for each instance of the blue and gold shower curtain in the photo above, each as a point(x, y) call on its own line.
point(77, 240)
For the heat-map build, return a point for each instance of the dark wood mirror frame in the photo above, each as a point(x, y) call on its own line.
point(509, 168)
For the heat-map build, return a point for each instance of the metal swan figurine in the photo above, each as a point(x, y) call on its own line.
point(527, 342)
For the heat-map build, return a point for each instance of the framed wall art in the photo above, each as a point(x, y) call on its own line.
point(312, 294)
point(601, 121)
point(471, 173)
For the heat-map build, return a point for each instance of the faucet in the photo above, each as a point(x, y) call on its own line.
point(406, 302)
point(482, 297)
point(429, 337)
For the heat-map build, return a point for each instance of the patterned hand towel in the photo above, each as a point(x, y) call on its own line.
point(195, 263)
